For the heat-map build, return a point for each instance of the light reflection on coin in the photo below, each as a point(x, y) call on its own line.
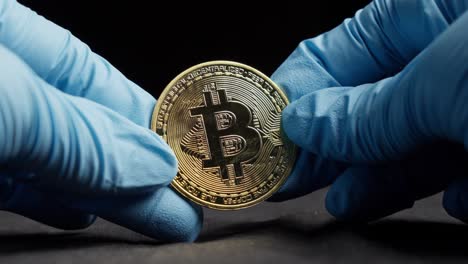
point(222, 119)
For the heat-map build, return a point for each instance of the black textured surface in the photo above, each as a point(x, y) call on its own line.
point(298, 231)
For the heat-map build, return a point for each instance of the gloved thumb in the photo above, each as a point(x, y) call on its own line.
point(426, 101)
point(70, 144)
point(456, 199)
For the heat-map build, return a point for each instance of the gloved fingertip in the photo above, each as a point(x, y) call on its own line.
point(178, 220)
point(162, 214)
point(455, 200)
point(166, 156)
point(309, 174)
point(292, 123)
point(318, 122)
point(338, 204)
point(363, 194)
point(145, 161)
point(292, 187)
point(80, 221)
point(282, 196)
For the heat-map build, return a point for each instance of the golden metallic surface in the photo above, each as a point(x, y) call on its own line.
point(222, 119)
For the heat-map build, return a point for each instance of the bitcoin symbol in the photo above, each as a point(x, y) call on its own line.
point(222, 119)
point(231, 141)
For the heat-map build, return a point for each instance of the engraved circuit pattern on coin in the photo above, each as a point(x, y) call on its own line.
point(222, 119)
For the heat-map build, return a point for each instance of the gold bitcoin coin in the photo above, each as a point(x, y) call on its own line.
point(222, 119)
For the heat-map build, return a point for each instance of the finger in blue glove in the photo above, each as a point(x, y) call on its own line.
point(75, 137)
point(378, 42)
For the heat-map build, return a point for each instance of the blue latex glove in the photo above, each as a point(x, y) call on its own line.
point(377, 93)
point(74, 137)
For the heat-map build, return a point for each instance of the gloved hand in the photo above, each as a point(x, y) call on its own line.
point(74, 137)
point(374, 100)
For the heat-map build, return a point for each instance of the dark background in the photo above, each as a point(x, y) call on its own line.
point(151, 44)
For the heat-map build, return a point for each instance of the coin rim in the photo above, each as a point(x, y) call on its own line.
point(181, 190)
